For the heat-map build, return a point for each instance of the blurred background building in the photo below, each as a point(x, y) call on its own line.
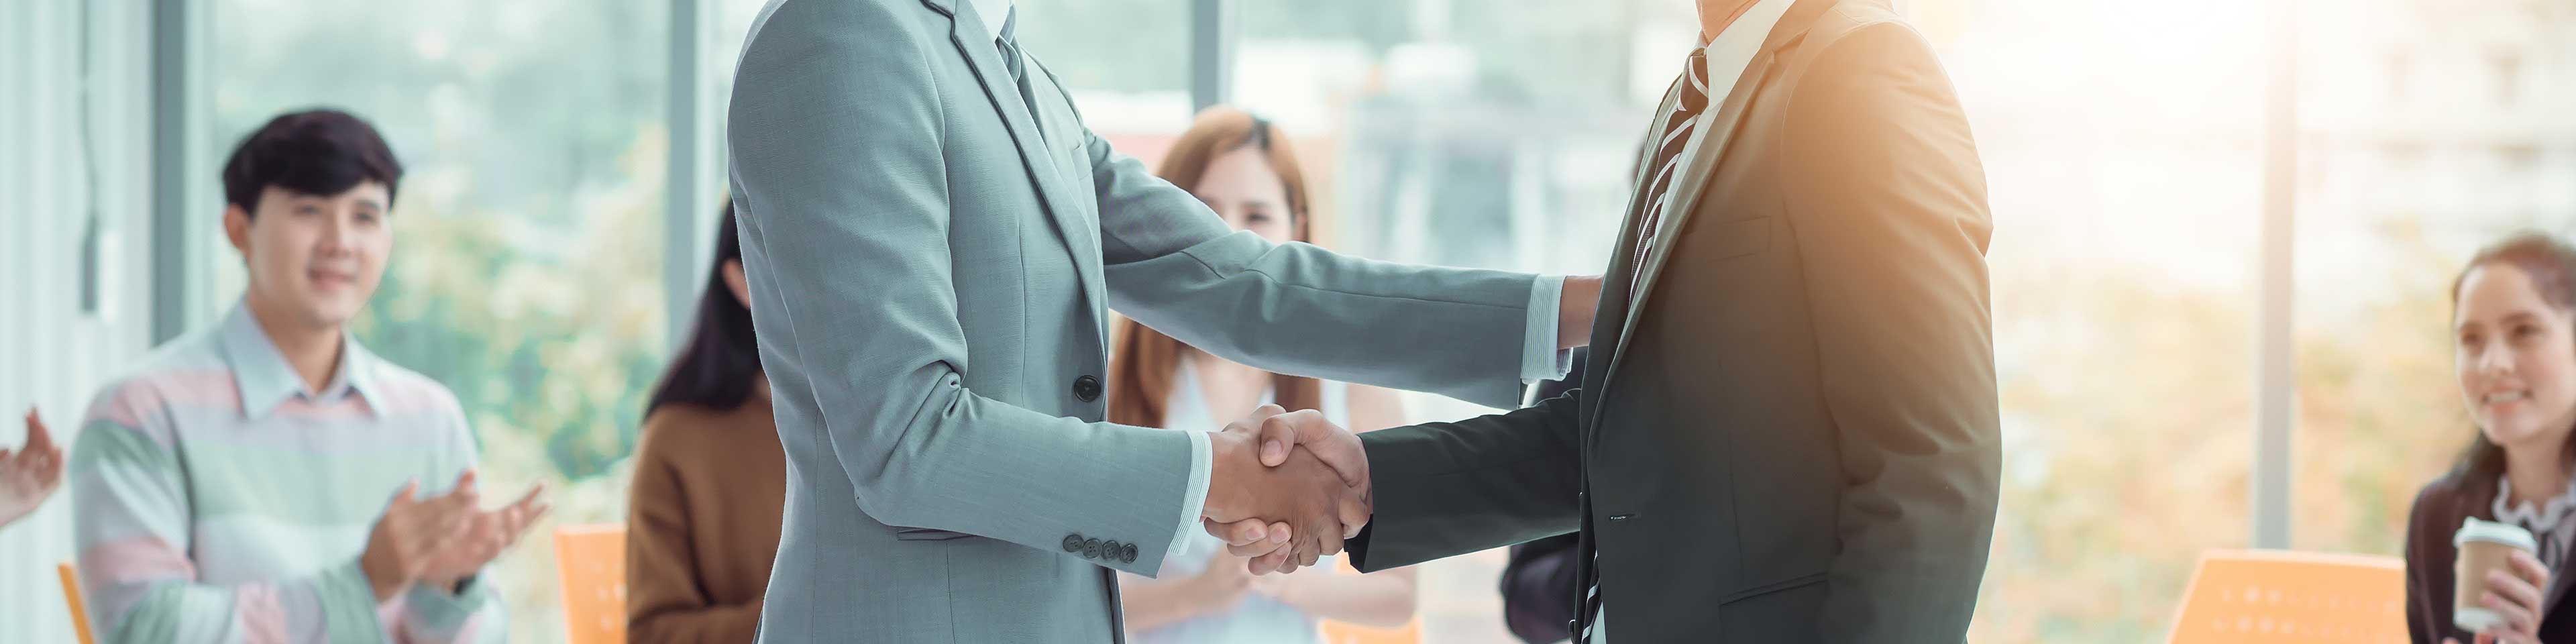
point(566, 156)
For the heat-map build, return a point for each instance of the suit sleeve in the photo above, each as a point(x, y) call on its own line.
point(837, 135)
point(1298, 309)
point(1890, 220)
point(1445, 489)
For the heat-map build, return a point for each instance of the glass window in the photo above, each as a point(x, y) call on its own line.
point(2125, 176)
point(1126, 62)
point(527, 259)
point(2380, 240)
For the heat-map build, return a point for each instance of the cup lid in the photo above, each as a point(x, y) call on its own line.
point(2475, 529)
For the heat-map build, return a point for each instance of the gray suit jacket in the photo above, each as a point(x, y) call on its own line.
point(1792, 436)
point(930, 265)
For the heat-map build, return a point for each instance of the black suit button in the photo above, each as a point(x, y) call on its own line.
point(1073, 543)
point(1109, 550)
point(1091, 548)
point(1127, 554)
point(1086, 388)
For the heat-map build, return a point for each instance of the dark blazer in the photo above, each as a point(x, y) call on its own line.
point(1793, 436)
point(2439, 509)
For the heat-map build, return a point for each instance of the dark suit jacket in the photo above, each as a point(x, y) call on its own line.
point(2439, 509)
point(1793, 436)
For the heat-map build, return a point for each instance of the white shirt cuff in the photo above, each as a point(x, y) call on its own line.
point(1194, 499)
point(1540, 359)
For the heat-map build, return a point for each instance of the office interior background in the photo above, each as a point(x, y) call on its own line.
point(2225, 229)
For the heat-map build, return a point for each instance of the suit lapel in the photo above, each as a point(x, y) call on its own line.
point(1692, 180)
point(1614, 284)
point(970, 35)
point(1689, 188)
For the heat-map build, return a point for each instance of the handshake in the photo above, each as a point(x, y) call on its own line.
point(1285, 488)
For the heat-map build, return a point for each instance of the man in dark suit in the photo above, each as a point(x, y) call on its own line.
point(1789, 432)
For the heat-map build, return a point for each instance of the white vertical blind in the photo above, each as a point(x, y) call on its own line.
point(55, 351)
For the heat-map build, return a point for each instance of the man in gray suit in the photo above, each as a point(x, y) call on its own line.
point(1787, 430)
point(932, 237)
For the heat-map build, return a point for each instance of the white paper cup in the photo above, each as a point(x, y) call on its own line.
point(2484, 546)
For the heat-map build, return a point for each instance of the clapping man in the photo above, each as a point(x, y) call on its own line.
point(268, 479)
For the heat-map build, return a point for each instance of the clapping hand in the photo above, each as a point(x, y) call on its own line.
point(30, 473)
point(484, 536)
point(1296, 451)
point(441, 539)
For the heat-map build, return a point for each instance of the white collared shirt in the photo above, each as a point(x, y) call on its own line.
point(1729, 56)
point(993, 12)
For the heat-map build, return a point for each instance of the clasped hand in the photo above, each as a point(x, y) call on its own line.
point(1285, 488)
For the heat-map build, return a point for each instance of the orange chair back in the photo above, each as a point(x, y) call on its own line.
point(1341, 633)
point(590, 563)
point(72, 601)
point(2283, 596)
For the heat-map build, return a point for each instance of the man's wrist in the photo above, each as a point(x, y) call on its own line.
point(382, 576)
point(1575, 309)
point(1228, 453)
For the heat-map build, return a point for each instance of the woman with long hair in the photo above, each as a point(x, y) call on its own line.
point(2513, 330)
point(1243, 168)
point(710, 478)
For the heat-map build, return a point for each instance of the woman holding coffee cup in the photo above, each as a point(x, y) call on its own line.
point(2484, 541)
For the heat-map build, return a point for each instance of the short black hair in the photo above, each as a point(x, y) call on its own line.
point(315, 152)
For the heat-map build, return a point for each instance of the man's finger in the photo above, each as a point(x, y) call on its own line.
point(1329, 544)
point(1269, 563)
point(1284, 431)
point(1355, 511)
point(465, 482)
point(1254, 549)
point(1238, 533)
point(528, 500)
point(1336, 447)
point(1265, 410)
point(529, 519)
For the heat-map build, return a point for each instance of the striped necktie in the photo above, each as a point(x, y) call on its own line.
point(1669, 161)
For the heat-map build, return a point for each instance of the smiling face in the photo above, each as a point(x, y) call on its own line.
point(2516, 358)
point(313, 260)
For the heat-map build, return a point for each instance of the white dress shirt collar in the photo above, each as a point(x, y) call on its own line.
point(993, 13)
point(1735, 46)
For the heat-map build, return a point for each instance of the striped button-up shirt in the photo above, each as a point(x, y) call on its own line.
point(218, 499)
